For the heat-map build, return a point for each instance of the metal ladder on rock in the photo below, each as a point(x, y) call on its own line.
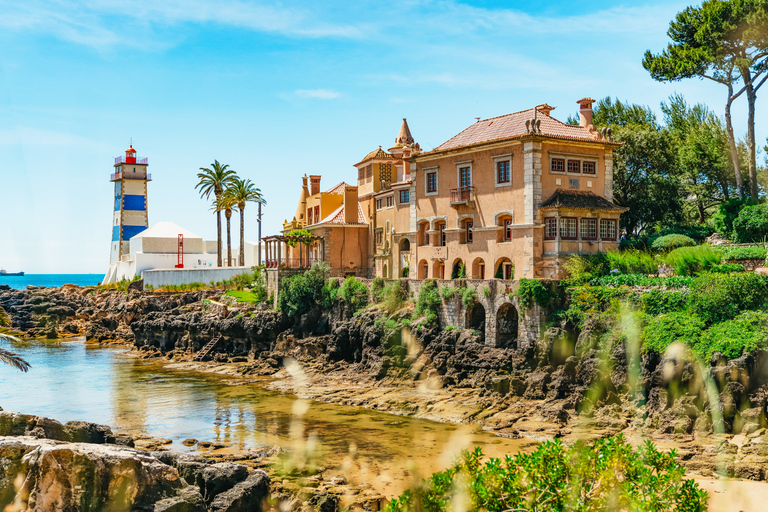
point(206, 349)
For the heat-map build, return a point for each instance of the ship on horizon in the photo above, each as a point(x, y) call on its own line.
point(10, 274)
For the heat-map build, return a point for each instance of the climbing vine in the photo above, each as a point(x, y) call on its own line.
point(532, 290)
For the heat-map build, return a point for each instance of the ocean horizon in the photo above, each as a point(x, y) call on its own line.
point(51, 280)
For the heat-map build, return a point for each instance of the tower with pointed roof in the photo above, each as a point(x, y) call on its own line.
point(130, 208)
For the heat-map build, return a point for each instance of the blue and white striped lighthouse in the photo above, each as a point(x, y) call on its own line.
point(130, 215)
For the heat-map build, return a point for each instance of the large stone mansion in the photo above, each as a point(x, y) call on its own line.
point(508, 197)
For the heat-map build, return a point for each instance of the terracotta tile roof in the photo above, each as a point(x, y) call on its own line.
point(579, 199)
point(337, 217)
point(377, 154)
point(338, 189)
point(512, 126)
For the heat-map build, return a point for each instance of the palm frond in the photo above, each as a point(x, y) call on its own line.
point(12, 358)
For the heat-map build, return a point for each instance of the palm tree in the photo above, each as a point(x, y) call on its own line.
point(12, 358)
point(243, 191)
point(215, 179)
point(226, 203)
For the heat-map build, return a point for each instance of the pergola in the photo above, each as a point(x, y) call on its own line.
point(279, 247)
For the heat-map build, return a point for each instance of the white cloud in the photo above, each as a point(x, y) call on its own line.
point(321, 94)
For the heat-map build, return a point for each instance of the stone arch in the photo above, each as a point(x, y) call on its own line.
point(507, 324)
point(385, 272)
point(422, 237)
point(504, 269)
point(456, 269)
point(423, 272)
point(405, 245)
point(478, 269)
point(438, 269)
point(476, 318)
point(434, 222)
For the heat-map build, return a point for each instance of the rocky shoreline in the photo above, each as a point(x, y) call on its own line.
point(567, 386)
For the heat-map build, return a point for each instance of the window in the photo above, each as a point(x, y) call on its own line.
point(390, 201)
point(568, 228)
point(379, 204)
point(557, 165)
point(379, 237)
point(405, 196)
point(550, 228)
point(588, 229)
point(573, 183)
point(432, 182)
point(588, 167)
point(309, 214)
point(574, 166)
point(502, 172)
point(507, 230)
point(465, 177)
point(317, 213)
point(441, 235)
point(469, 226)
point(607, 229)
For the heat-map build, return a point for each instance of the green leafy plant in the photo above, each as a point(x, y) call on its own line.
point(752, 224)
point(394, 296)
point(328, 293)
point(376, 287)
point(606, 475)
point(690, 261)
point(588, 301)
point(669, 242)
point(468, 296)
point(486, 291)
point(447, 293)
point(301, 292)
point(755, 252)
point(459, 272)
point(718, 297)
point(532, 290)
point(658, 302)
point(727, 212)
point(405, 271)
point(727, 268)
point(429, 303)
point(298, 236)
point(746, 332)
point(354, 293)
point(616, 280)
point(676, 327)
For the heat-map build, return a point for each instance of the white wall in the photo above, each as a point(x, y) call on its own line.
point(158, 278)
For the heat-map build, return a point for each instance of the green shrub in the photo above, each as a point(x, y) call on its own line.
point(301, 292)
point(580, 269)
point(747, 332)
point(242, 281)
point(354, 293)
point(690, 261)
point(394, 296)
point(468, 296)
point(606, 475)
point(459, 272)
point(586, 301)
point(616, 280)
point(486, 291)
point(727, 268)
point(376, 287)
point(632, 262)
point(447, 293)
point(429, 302)
point(530, 291)
point(719, 297)
point(752, 224)
point(658, 302)
point(677, 327)
point(756, 252)
point(669, 242)
point(727, 212)
point(328, 294)
point(405, 271)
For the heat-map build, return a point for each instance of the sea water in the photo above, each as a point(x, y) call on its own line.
point(48, 280)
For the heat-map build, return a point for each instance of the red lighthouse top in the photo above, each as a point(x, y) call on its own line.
point(130, 155)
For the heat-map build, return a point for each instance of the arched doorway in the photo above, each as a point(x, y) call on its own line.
point(438, 270)
point(405, 256)
point(458, 270)
point(478, 269)
point(504, 269)
point(423, 269)
point(506, 325)
point(476, 318)
point(385, 273)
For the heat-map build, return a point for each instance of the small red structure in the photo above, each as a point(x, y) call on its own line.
point(180, 252)
point(130, 155)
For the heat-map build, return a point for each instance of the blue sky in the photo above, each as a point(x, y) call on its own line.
point(277, 90)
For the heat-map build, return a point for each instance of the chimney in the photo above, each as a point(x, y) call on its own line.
point(544, 108)
point(350, 205)
point(314, 180)
point(585, 112)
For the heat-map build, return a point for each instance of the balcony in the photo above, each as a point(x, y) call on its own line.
point(126, 160)
point(462, 195)
point(138, 175)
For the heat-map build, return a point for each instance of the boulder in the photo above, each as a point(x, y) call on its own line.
point(247, 496)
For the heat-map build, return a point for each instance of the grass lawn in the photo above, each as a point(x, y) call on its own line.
point(242, 295)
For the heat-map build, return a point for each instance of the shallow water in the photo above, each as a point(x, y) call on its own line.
point(73, 381)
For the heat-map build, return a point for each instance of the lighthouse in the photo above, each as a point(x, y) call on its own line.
point(130, 213)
